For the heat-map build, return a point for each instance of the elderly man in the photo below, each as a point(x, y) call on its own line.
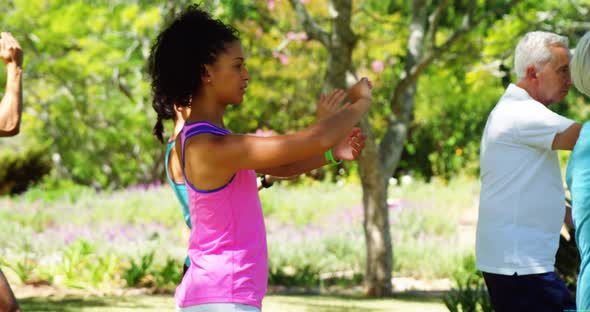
point(521, 208)
point(10, 116)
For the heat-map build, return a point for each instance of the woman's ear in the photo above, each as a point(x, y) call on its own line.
point(206, 76)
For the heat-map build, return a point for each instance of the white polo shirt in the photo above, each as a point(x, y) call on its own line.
point(521, 205)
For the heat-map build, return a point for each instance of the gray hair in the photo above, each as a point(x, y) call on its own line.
point(580, 65)
point(533, 49)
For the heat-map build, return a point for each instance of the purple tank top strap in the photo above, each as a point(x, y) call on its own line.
point(191, 129)
point(194, 128)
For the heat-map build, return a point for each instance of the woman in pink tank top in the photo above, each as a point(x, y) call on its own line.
point(199, 61)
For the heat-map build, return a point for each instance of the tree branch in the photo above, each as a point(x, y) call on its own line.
point(311, 28)
point(468, 24)
point(402, 98)
point(380, 19)
point(433, 21)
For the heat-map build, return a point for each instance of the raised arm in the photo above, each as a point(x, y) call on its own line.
point(348, 149)
point(221, 156)
point(12, 101)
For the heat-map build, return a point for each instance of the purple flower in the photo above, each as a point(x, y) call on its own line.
point(70, 238)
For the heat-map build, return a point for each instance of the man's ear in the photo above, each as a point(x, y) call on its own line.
point(531, 73)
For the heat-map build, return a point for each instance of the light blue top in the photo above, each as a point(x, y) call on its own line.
point(179, 190)
point(578, 181)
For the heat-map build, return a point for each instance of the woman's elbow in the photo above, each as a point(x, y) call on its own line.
point(10, 131)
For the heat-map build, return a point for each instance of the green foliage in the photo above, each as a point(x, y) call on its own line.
point(451, 112)
point(281, 96)
point(137, 271)
point(75, 259)
point(425, 220)
point(24, 268)
point(469, 294)
point(19, 171)
point(110, 240)
point(146, 273)
point(53, 189)
point(298, 204)
point(86, 86)
point(170, 275)
point(87, 94)
point(306, 276)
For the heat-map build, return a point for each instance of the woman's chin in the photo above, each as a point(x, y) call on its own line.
point(239, 100)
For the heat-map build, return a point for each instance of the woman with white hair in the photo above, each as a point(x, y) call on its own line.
point(578, 175)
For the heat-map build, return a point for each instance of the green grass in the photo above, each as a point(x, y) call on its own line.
point(80, 238)
point(307, 203)
point(272, 303)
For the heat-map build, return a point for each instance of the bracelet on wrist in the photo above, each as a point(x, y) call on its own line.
point(330, 158)
point(265, 183)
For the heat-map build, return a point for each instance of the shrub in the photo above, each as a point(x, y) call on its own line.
point(19, 171)
point(469, 294)
point(450, 118)
point(135, 274)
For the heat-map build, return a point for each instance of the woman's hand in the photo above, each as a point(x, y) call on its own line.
point(330, 104)
point(361, 89)
point(351, 147)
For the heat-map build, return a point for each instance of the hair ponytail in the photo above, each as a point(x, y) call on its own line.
point(159, 129)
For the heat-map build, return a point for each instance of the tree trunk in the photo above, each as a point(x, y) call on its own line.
point(375, 174)
point(378, 162)
point(340, 46)
point(376, 219)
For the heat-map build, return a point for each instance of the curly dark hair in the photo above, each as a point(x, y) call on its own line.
point(178, 56)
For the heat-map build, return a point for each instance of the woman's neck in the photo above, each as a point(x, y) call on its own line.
point(205, 108)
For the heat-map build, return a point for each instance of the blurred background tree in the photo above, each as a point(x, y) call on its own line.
point(438, 68)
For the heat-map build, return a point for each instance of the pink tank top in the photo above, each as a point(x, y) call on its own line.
point(227, 245)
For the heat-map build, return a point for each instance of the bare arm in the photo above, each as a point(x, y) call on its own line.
point(347, 149)
point(11, 104)
point(237, 152)
point(175, 170)
point(296, 168)
point(566, 140)
point(327, 106)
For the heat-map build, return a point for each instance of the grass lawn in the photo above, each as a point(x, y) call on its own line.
point(272, 303)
